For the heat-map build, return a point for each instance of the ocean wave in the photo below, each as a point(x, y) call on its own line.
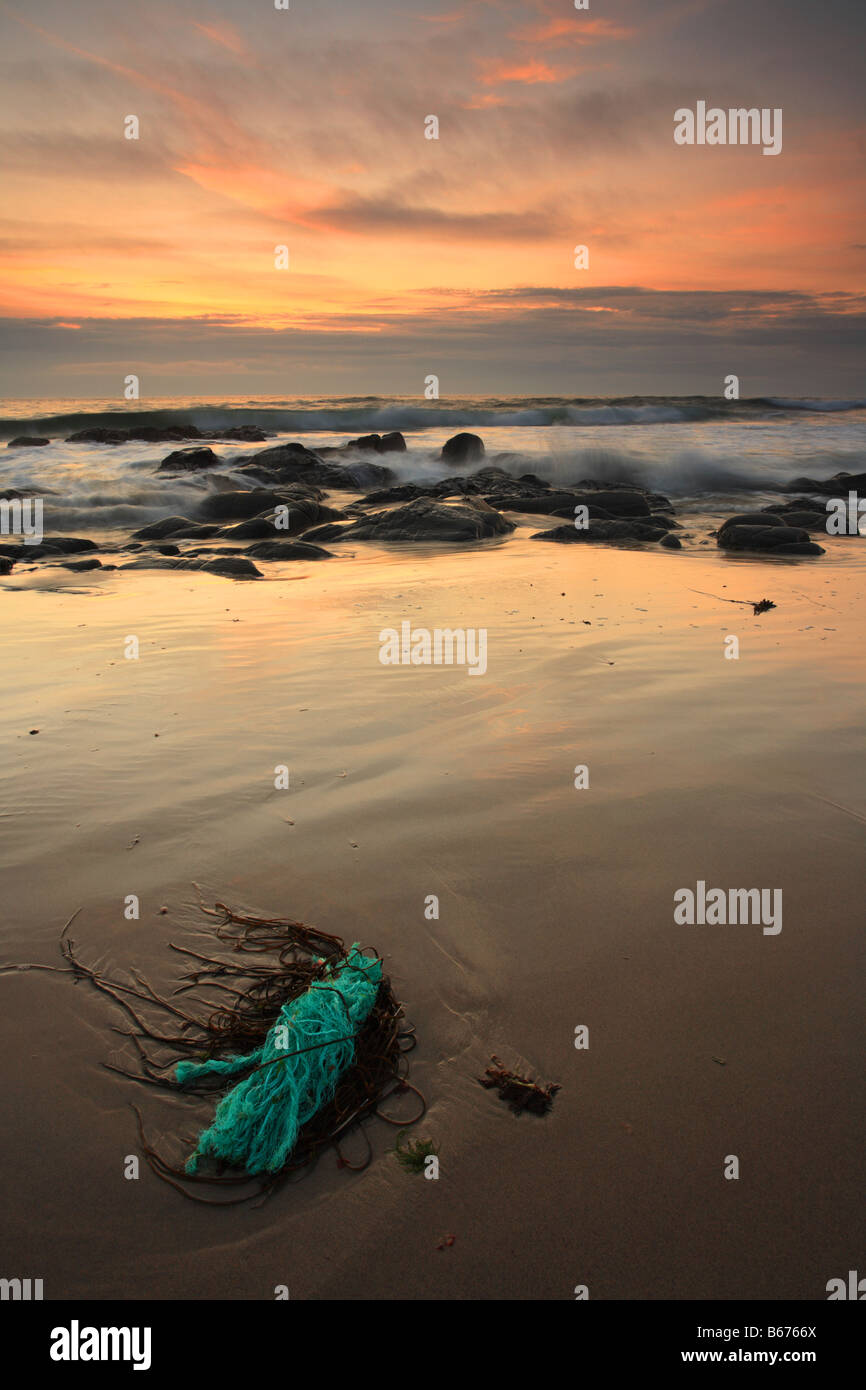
point(360, 415)
point(783, 403)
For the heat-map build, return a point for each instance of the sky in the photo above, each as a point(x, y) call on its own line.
point(304, 128)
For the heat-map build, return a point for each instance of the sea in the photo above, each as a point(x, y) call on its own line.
point(703, 452)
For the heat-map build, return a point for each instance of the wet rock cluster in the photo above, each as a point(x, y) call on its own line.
point(263, 502)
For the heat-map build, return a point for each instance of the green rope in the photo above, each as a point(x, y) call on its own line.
point(293, 1074)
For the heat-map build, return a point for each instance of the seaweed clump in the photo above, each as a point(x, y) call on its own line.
point(413, 1156)
point(264, 963)
point(520, 1092)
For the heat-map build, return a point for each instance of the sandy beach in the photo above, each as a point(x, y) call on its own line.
point(156, 777)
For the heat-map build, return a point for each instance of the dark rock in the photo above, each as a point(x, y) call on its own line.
point(393, 443)
point(620, 502)
point(805, 520)
point(403, 492)
point(232, 567)
point(750, 519)
point(166, 549)
point(161, 434)
point(462, 448)
point(286, 463)
point(6, 564)
point(549, 503)
point(606, 531)
point(372, 442)
point(157, 562)
point(225, 506)
point(98, 435)
point(424, 519)
point(165, 434)
point(217, 550)
point(359, 476)
point(167, 526)
point(70, 545)
point(302, 513)
point(774, 538)
point(329, 532)
point(838, 486)
point(245, 434)
point(227, 566)
point(81, 565)
point(188, 460)
point(671, 542)
point(56, 545)
point(288, 550)
point(27, 441)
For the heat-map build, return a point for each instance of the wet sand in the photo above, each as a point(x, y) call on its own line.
point(556, 910)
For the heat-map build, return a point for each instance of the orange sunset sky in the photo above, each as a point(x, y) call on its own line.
point(305, 128)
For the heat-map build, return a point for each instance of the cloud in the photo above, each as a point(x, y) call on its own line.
point(530, 71)
point(369, 217)
point(518, 340)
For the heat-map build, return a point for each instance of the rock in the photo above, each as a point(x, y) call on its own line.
point(618, 501)
point(548, 503)
point(188, 460)
point(329, 532)
point(227, 566)
point(216, 550)
point(166, 549)
point(359, 476)
point(70, 545)
point(393, 443)
point(6, 564)
point(301, 515)
point(462, 448)
point(246, 434)
point(750, 519)
point(98, 435)
point(156, 562)
point(27, 441)
point(367, 441)
point(671, 542)
point(56, 545)
point(225, 506)
point(612, 530)
point(288, 550)
point(424, 519)
point(232, 567)
point(838, 486)
point(403, 492)
point(81, 565)
point(805, 520)
point(165, 434)
point(285, 463)
point(774, 538)
point(167, 526)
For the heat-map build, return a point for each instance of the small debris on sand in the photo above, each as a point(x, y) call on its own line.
point(520, 1092)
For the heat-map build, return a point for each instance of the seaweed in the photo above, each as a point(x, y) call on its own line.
point(413, 1157)
point(264, 964)
point(520, 1092)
